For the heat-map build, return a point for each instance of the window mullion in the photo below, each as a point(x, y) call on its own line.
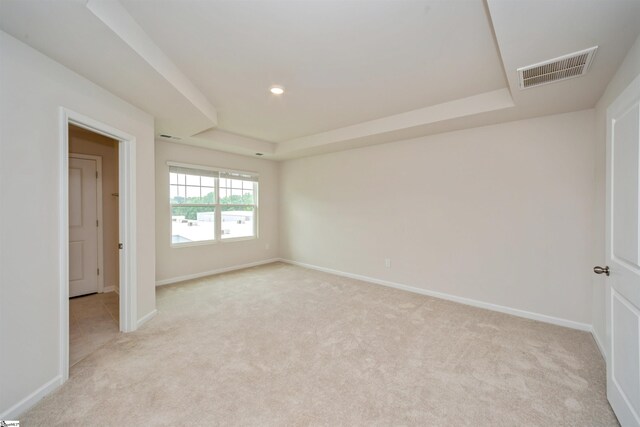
point(255, 211)
point(218, 213)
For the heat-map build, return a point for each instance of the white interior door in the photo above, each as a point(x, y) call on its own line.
point(623, 254)
point(83, 227)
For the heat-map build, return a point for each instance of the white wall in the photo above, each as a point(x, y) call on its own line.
point(180, 262)
point(82, 141)
point(628, 70)
point(32, 89)
point(500, 214)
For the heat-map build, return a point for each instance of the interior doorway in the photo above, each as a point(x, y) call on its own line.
point(93, 241)
point(126, 297)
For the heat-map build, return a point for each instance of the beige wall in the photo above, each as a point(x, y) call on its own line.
point(33, 88)
point(628, 70)
point(82, 141)
point(500, 214)
point(180, 262)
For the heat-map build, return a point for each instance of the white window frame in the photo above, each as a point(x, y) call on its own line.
point(217, 205)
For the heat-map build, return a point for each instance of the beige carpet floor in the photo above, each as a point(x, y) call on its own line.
point(93, 322)
point(284, 346)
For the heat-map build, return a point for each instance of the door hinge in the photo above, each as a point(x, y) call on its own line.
point(120, 246)
point(98, 272)
point(96, 174)
point(97, 224)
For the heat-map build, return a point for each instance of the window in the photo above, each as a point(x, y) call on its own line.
point(237, 204)
point(209, 205)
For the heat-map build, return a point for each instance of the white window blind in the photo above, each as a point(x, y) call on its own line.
point(191, 171)
point(243, 176)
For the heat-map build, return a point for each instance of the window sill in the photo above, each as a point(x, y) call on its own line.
point(211, 242)
point(189, 244)
point(238, 239)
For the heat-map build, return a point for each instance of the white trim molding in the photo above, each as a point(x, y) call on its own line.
point(214, 272)
point(128, 286)
point(21, 407)
point(462, 300)
point(127, 216)
point(144, 319)
point(599, 344)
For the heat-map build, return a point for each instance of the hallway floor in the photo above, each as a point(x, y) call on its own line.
point(93, 322)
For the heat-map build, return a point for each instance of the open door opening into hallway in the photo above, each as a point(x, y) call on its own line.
point(93, 242)
point(121, 238)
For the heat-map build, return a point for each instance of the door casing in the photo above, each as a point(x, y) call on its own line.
point(127, 222)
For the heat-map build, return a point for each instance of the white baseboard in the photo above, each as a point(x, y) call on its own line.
point(599, 343)
point(144, 319)
point(213, 272)
point(108, 289)
point(21, 407)
point(467, 301)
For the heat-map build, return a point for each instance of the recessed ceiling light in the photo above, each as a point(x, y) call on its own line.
point(277, 90)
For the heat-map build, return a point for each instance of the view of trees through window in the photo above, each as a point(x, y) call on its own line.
point(194, 204)
point(190, 212)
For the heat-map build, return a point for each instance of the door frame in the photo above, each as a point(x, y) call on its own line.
point(127, 225)
point(99, 214)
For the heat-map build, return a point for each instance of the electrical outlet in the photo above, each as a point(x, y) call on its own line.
point(387, 262)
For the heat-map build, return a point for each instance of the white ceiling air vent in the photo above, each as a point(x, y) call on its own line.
point(565, 67)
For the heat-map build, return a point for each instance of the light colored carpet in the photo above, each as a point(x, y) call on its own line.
point(93, 322)
point(281, 345)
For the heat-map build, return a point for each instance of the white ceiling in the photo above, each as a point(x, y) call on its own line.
point(68, 32)
point(356, 73)
point(341, 62)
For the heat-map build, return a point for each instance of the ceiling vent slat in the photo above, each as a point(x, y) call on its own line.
point(564, 67)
